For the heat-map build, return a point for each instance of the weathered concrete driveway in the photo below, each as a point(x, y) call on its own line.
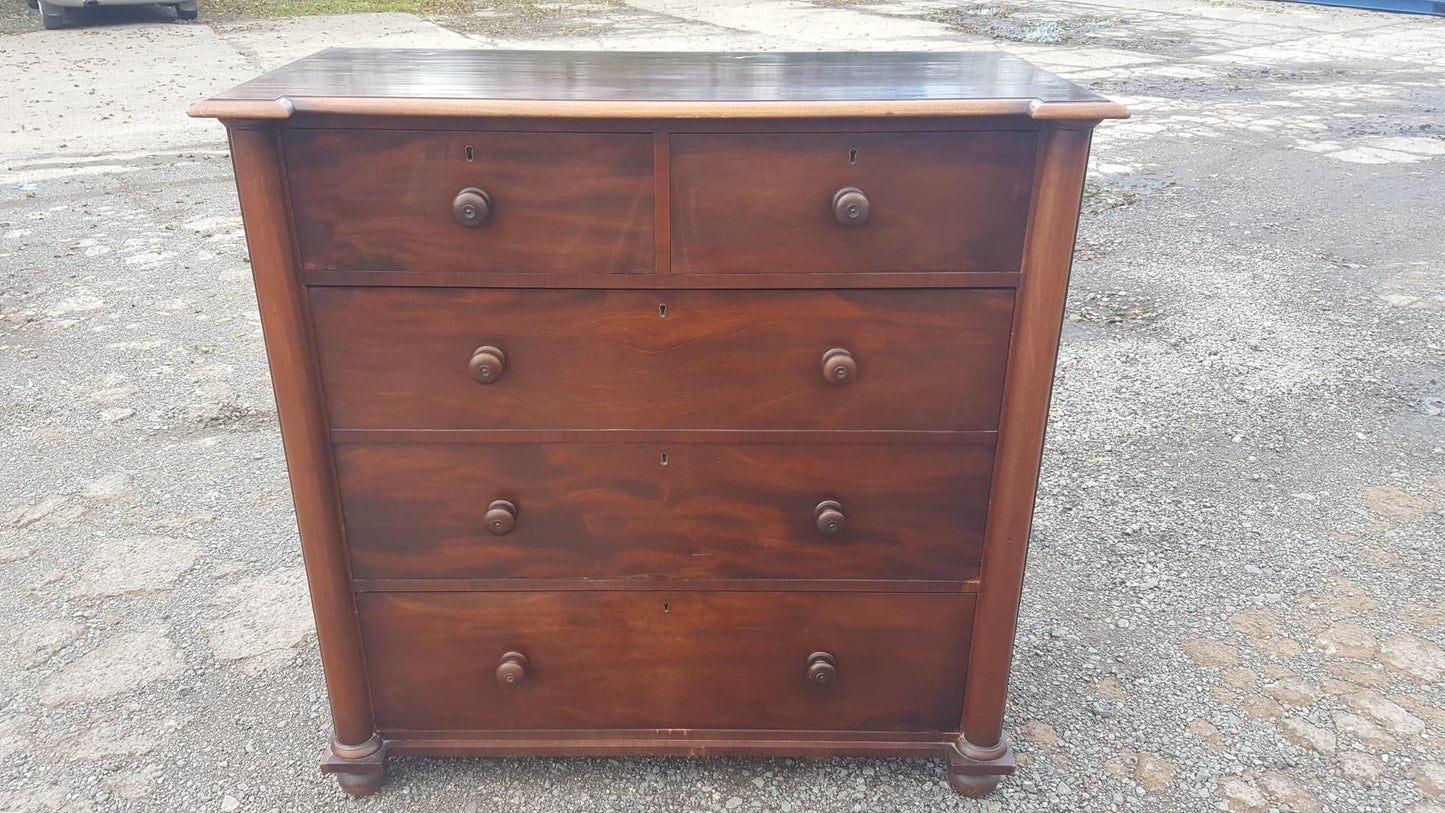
point(1237, 595)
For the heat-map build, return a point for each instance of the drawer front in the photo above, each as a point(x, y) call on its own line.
point(400, 358)
point(382, 200)
point(934, 202)
point(617, 510)
point(628, 659)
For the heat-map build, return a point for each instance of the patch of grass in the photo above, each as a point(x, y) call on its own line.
point(17, 18)
point(232, 9)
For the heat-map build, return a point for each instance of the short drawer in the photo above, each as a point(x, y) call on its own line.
point(601, 510)
point(405, 358)
point(389, 200)
point(918, 202)
point(675, 660)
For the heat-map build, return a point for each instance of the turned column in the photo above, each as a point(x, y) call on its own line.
point(983, 751)
point(356, 754)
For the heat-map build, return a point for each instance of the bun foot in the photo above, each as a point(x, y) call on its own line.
point(973, 786)
point(359, 784)
point(974, 771)
point(360, 769)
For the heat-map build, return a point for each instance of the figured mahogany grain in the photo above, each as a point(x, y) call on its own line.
point(614, 510)
point(681, 660)
point(763, 203)
point(381, 200)
point(397, 358)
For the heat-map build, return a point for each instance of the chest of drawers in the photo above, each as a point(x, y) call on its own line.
point(662, 403)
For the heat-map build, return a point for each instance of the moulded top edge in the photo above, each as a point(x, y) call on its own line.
point(658, 85)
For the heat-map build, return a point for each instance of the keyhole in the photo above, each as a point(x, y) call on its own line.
point(662, 311)
point(664, 458)
point(852, 156)
point(470, 155)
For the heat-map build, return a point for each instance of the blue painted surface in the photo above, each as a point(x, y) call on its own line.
point(1436, 7)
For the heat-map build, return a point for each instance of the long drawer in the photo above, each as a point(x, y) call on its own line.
point(683, 660)
point(390, 200)
point(814, 202)
point(655, 510)
point(407, 358)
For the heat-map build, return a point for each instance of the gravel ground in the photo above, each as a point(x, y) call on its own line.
point(1236, 598)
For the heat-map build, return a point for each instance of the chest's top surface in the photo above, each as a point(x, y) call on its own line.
point(363, 81)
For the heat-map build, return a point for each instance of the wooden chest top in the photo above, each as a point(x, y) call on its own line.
point(658, 85)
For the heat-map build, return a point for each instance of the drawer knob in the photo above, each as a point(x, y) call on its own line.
point(471, 207)
point(850, 206)
point(822, 669)
point(831, 521)
point(488, 364)
point(512, 670)
point(839, 367)
point(501, 518)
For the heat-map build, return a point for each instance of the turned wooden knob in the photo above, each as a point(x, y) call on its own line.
point(512, 670)
point(501, 518)
point(850, 206)
point(839, 367)
point(822, 669)
point(488, 364)
point(471, 207)
point(831, 521)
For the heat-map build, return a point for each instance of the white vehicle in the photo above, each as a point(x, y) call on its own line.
point(60, 13)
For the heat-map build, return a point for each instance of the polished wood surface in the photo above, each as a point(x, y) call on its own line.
point(593, 742)
point(632, 84)
point(766, 203)
point(754, 280)
point(620, 510)
point(749, 585)
point(398, 358)
point(382, 200)
point(663, 404)
point(684, 660)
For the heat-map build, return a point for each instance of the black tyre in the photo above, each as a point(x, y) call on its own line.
point(53, 17)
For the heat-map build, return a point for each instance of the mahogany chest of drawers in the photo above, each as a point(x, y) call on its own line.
point(662, 403)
